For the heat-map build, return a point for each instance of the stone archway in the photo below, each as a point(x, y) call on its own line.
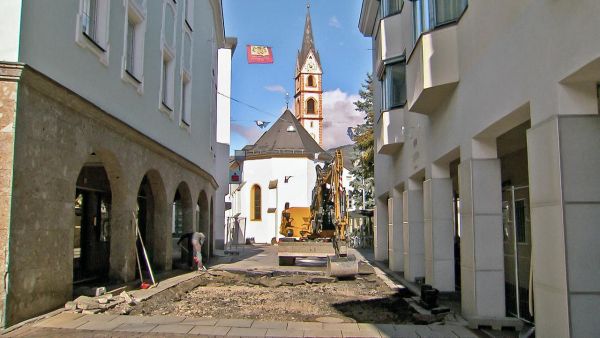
point(100, 250)
point(153, 218)
point(182, 222)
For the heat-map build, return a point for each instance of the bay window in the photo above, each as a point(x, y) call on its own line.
point(430, 14)
point(391, 7)
point(394, 85)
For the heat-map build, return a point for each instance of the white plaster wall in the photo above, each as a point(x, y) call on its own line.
point(48, 45)
point(224, 103)
point(298, 191)
point(222, 177)
point(10, 17)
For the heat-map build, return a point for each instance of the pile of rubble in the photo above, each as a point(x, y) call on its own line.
point(100, 301)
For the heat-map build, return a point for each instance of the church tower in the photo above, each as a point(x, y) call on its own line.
point(308, 96)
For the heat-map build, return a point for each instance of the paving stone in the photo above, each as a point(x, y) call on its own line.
point(100, 325)
point(369, 326)
point(234, 322)
point(425, 332)
point(284, 333)
point(129, 319)
point(329, 320)
point(163, 319)
point(246, 332)
point(269, 325)
point(135, 327)
point(322, 333)
point(452, 331)
point(173, 328)
point(200, 321)
point(304, 326)
point(69, 324)
point(100, 317)
point(408, 331)
point(210, 330)
point(361, 333)
point(341, 326)
point(59, 319)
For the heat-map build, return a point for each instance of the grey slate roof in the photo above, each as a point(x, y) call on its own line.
point(279, 141)
point(308, 43)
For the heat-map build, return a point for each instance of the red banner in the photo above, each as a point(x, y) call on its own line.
point(259, 54)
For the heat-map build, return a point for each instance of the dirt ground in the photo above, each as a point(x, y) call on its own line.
point(292, 297)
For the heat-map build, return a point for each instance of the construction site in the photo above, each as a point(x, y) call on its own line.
point(252, 291)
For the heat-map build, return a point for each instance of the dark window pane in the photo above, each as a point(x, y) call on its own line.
point(448, 10)
point(395, 85)
point(391, 7)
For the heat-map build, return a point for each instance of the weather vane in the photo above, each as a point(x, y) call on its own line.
point(287, 100)
point(307, 3)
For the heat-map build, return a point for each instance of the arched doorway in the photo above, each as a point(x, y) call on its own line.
point(152, 213)
point(92, 228)
point(182, 223)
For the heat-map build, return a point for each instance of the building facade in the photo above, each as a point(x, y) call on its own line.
point(487, 129)
point(308, 93)
point(108, 120)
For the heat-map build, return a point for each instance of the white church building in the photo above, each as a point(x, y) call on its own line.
point(278, 170)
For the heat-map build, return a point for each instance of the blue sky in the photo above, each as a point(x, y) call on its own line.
point(345, 57)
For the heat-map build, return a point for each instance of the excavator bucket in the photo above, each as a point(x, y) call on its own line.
point(346, 266)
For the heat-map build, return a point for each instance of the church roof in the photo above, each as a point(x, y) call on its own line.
point(308, 42)
point(280, 139)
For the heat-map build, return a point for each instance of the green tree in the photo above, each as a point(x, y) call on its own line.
point(364, 169)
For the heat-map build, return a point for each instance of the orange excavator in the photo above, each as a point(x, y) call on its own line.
point(320, 231)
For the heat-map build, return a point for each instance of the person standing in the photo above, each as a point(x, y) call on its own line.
point(194, 241)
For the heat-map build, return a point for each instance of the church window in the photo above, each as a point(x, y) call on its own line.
point(256, 203)
point(311, 81)
point(312, 124)
point(310, 106)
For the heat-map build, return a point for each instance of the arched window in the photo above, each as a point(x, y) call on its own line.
point(256, 203)
point(311, 81)
point(310, 106)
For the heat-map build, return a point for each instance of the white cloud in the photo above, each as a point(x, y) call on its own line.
point(250, 133)
point(276, 88)
point(334, 22)
point(339, 113)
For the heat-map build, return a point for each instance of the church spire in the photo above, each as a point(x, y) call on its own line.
point(308, 42)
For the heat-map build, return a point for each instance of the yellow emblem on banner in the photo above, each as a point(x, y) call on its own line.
point(259, 50)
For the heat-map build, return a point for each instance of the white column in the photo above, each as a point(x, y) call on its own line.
point(396, 254)
point(481, 245)
point(565, 211)
point(381, 229)
point(412, 219)
point(439, 233)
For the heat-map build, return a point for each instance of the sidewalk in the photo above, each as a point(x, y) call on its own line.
point(79, 325)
